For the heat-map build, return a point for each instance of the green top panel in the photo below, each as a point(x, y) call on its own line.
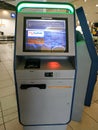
point(45, 5)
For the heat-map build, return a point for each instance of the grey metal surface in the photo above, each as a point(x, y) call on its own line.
point(51, 105)
point(55, 127)
point(19, 35)
point(83, 70)
point(46, 106)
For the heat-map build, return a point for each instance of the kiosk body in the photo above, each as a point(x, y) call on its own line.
point(45, 76)
point(45, 94)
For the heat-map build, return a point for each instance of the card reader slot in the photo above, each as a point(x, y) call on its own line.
point(26, 86)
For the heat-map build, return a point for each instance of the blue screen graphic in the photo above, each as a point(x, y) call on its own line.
point(45, 35)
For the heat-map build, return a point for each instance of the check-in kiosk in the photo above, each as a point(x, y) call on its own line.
point(44, 64)
point(87, 62)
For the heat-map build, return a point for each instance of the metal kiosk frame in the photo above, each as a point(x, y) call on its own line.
point(45, 95)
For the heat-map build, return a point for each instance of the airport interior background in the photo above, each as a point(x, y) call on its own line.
point(8, 105)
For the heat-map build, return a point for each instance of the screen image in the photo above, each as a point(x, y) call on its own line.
point(45, 35)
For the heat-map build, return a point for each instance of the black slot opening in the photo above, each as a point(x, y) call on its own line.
point(32, 63)
point(26, 86)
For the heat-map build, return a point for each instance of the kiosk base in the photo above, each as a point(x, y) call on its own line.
point(54, 127)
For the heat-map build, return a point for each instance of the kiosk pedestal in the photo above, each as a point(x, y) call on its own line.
point(45, 95)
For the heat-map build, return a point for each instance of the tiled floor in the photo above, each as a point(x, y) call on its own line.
point(8, 106)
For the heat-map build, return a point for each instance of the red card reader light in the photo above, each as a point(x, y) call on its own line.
point(53, 65)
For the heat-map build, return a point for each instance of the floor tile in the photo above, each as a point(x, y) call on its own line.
point(2, 127)
point(2, 68)
point(95, 93)
point(95, 96)
point(10, 117)
point(5, 57)
point(69, 127)
point(9, 111)
point(4, 75)
point(1, 120)
point(6, 52)
point(92, 111)
point(7, 91)
point(6, 83)
point(86, 123)
point(96, 101)
point(8, 65)
point(13, 125)
point(12, 75)
point(8, 102)
point(10, 114)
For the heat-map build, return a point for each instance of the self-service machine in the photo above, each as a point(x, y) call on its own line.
point(87, 62)
point(44, 64)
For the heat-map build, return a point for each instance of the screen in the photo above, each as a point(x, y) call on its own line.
point(45, 35)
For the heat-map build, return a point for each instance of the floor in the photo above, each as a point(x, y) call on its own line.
point(8, 106)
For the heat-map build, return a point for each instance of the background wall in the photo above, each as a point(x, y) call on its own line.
point(7, 23)
point(7, 26)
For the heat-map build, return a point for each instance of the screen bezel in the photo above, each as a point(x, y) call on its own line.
point(45, 18)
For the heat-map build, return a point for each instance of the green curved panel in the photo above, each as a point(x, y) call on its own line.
point(46, 5)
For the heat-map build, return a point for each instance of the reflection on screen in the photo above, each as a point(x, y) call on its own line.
point(45, 35)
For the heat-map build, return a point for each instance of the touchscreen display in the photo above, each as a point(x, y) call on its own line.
point(45, 35)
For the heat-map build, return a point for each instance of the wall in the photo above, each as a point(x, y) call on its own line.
point(7, 26)
point(17, 1)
